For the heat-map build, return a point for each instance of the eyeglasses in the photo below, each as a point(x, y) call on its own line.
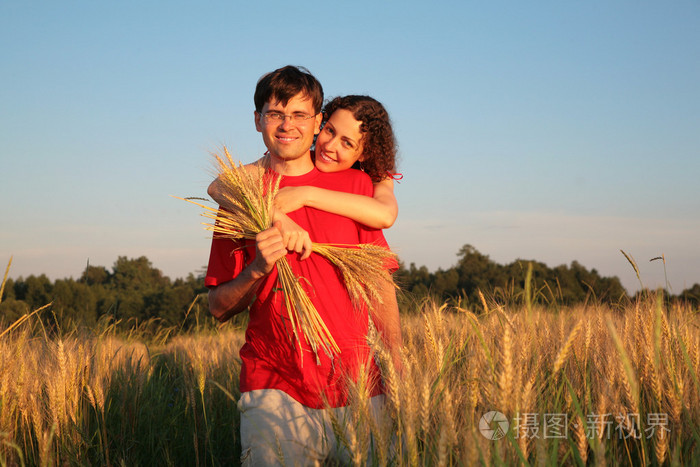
point(279, 117)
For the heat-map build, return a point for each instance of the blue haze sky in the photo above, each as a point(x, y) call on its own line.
point(545, 130)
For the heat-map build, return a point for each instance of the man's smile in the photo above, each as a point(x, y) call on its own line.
point(286, 139)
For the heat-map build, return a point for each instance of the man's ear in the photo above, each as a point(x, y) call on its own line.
point(258, 123)
point(318, 118)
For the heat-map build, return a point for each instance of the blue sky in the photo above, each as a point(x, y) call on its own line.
point(555, 131)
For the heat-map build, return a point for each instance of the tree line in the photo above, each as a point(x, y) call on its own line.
point(134, 292)
point(563, 285)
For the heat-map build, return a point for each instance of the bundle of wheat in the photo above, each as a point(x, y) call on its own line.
point(247, 195)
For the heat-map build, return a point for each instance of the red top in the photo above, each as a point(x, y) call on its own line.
point(270, 355)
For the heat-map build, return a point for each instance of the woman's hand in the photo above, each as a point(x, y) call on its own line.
point(291, 198)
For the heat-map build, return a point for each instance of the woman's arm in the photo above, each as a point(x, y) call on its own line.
point(378, 212)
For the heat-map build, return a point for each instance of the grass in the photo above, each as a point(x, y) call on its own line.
point(582, 385)
point(107, 400)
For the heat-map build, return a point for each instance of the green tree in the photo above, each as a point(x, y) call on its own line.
point(11, 310)
point(446, 282)
point(36, 291)
point(132, 280)
point(691, 295)
point(74, 302)
point(476, 272)
point(8, 291)
point(94, 275)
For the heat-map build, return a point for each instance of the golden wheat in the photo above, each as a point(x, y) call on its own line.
point(527, 400)
point(566, 349)
point(506, 378)
point(434, 408)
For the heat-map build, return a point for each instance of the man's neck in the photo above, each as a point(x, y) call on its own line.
point(293, 167)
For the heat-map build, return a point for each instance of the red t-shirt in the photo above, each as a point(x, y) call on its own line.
point(270, 355)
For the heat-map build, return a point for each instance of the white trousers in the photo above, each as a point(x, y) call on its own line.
point(278, 430)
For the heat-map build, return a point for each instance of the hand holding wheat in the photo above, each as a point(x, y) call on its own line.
point(269, 248)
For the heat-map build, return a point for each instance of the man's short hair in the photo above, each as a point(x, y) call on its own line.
point(284, 83)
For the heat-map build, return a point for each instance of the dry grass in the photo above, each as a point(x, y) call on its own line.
point(90, 399)
point(624, 384)
point(599, 370)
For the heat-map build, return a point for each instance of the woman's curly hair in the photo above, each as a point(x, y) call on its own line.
point(378, 142)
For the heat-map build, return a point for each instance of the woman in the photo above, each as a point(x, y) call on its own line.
point(356, 133)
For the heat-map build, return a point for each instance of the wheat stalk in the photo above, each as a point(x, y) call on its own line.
point(410, 410)
point(627, 375)
point(526, 406)
point(580, 438)
point(505, 381)
point(4, 279)
point(362, 267)
point(631, 260)
point(566, 349)
point(425, 405)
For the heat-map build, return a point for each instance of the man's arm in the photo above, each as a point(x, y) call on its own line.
point(214, 190)
point(386, 320)
point(234, 296)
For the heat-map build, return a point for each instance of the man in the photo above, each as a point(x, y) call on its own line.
point(287, 396)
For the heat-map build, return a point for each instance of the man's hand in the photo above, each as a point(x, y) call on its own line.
point(269, 247)
point(294, 237)
point(234, 296)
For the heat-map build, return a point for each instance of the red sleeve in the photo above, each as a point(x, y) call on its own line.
point(226, 260)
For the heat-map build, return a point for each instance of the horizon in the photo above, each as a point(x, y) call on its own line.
point(202, 270)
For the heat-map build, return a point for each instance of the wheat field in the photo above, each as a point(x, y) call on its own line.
point(513, 385)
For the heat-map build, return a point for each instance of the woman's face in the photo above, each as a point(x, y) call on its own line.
point(339, 144)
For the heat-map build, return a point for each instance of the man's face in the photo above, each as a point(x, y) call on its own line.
point(288, 139)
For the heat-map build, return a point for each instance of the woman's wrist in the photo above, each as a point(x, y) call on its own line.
point(309, 196)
